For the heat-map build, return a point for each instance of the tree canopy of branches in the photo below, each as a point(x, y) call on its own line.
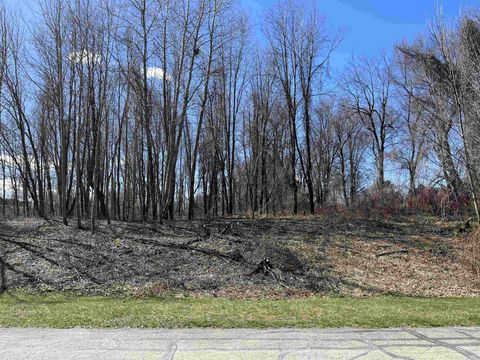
point(156, 109)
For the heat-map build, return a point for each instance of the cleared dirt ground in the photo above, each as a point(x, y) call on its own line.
point(331, 255)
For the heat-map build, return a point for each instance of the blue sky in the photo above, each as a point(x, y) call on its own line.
point(373, 26)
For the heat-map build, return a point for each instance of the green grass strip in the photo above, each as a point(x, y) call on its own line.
point(66, 311)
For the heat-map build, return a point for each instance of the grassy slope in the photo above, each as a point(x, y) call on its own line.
point(65, 311)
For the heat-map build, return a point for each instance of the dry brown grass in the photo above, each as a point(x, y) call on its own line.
point(437, 264)
point(470, 256)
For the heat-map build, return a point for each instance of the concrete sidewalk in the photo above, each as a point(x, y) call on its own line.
point(207, 344)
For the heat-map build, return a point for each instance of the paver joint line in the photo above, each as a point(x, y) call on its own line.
point(469, 355)
point(172, 349)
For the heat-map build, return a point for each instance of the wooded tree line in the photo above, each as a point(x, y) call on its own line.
point(155, 109)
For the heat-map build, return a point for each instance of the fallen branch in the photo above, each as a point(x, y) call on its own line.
point(392, 253)
point(235, 256)
point(227, 228)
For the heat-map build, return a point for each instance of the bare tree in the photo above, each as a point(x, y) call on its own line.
point(368, 85)
point(411, 146)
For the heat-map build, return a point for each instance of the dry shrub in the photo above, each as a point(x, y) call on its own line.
point(439, 201)
point(152, 290)
point(471, 251)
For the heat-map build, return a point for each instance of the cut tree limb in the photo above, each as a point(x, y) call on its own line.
point(403, 251)
point(264, 267)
